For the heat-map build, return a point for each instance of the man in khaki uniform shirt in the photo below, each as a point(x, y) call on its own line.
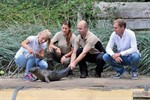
point(88, 48)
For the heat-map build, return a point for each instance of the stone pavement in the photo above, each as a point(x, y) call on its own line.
point(71, 83)
point(75, 82)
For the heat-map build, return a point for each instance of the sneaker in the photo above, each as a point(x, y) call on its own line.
point(29, 77)
point(119, 75)
point(134, 75)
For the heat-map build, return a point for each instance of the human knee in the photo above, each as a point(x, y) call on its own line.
point(43, 65)
point(100, 56)
point(79, 51)
point(66, 63)
point(106, 57)
point(135, 57)
point(20, 62)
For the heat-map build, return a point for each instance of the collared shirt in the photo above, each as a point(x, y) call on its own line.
point(60, 40)
point(34, 44)
point(125, 45)
point(88, 42)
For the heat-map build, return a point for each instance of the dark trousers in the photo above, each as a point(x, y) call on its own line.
point(92, 58)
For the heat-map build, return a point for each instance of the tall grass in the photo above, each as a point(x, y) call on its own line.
point(12, 36)
point(22, 18)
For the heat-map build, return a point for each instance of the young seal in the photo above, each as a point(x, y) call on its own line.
point(46, 75)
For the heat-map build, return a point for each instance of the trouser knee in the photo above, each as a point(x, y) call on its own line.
point(79, 51)
point(106, 57)
point(135, 57)
point(66, 62)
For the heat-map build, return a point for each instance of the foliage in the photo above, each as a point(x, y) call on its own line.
point(144, 48)
point(21, 18)
point(45, 12)
point(125, 0)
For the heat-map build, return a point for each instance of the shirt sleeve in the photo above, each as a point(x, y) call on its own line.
point(44, 45)
point(110, 45)
point(133, 44)
point(73, 40)
point(30, 38)
point(90, 43)
point(55, 38)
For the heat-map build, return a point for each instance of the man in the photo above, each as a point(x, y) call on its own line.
point(88, 48)
point(127, 52)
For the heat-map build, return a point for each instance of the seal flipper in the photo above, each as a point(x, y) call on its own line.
point(47, 80)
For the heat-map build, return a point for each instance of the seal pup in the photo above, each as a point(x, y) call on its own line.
point(46, 75)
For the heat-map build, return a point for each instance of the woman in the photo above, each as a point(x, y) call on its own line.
point(31, 53)
point(61, 46)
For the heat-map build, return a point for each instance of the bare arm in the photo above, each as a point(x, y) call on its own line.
point(74, 61)
point(55, 48)
point(52, 46)
point(69, 53)
point(24, 44)
point(40, 54)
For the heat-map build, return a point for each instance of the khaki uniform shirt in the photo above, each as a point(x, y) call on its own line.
point(88, 42)
point(60, 40)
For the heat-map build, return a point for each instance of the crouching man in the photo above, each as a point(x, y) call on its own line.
point(88, 48)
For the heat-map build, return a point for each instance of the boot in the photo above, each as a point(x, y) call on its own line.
point(70, 73)
point(97, 75)
point(84, 74)
point(98, 71)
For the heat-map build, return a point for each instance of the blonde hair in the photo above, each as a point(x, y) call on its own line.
point(45, 33)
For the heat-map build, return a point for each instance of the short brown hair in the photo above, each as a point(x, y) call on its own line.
point(121, 22)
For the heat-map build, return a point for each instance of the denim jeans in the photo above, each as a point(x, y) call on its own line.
point(131, 60)
point(30, 62)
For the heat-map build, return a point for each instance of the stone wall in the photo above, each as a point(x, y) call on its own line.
point(136, 14)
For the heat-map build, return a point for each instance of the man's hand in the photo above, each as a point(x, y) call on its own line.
point(117, 57)
point(73, 65)
point(37, 54)
point(118, 60)
point(114, 56)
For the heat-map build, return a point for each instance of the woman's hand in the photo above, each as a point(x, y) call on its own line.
point(58, 51)
point(31, 51)
point(62, 59)
point(37, 54)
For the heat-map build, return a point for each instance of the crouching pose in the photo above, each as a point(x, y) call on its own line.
point(87, 48)
point(61, 46)
point(127, 52)
point(31, 53)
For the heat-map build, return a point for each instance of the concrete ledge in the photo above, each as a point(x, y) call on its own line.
point(71, 94)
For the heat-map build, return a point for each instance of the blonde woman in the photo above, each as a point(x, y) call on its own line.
point(31, 53)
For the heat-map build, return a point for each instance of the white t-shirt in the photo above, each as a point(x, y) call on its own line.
point(33, 43)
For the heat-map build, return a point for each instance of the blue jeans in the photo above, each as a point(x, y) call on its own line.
point(30, 62)
point(131, 60)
